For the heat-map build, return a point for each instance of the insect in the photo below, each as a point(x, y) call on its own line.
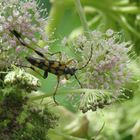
point(50, 66)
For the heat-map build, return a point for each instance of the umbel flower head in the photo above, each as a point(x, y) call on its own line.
point(23, 16)
point(95, 99)
point(108, 67)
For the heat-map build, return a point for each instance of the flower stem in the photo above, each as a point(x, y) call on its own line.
point(124, 22)
point(55, 17)
point(70, 91)
point(127, 9)
point(82, 16)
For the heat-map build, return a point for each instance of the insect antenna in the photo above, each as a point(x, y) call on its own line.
point(78, 81)
point(91, 51)
point(84, 67)
point(18, 36)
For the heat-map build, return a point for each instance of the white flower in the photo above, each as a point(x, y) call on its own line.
point(46, 47)
point(81, 39)
point(10, 18)
point(63, 81)
point(109, 32)
point(2, 19)
point(27, 81)
point(16, 13)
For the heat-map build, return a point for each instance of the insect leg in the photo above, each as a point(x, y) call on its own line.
point(42, 55)
point(70, 61)
point(66, 77)
point(60, 55)
point(45, 74)
point(30, 67)
point(54, 53)
point(36, 71)
point(58, 81)
point(78, 81)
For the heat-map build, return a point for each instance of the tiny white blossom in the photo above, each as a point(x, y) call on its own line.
point(10, 18)
point(63, 81)
point(46, 47)
point(64, 41)
point(109, 32)
point(2, 19)
point(18, 49)
point(16, 13)
point(27, 40)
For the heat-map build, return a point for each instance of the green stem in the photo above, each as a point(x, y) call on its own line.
point(94, 21)
point(128, 26)
point(68, 137)
point(127, 9)
point(122, 2)
point(82, 16)
point(55, 15)
point(70, 91)
point(3, 72)
point(123, 22)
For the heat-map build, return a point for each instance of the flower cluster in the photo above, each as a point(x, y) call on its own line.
point(93, 101)
point(27, 81)
point(25, 17)
point(108, 68)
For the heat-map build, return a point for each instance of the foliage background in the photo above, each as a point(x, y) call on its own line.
point(119, 121)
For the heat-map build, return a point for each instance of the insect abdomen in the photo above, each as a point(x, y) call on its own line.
point(37, 62)
point(56, 67)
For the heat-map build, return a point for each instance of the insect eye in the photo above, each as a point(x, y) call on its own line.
point(73, 70)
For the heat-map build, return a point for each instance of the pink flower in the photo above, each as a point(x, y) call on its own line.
point(25, 18)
